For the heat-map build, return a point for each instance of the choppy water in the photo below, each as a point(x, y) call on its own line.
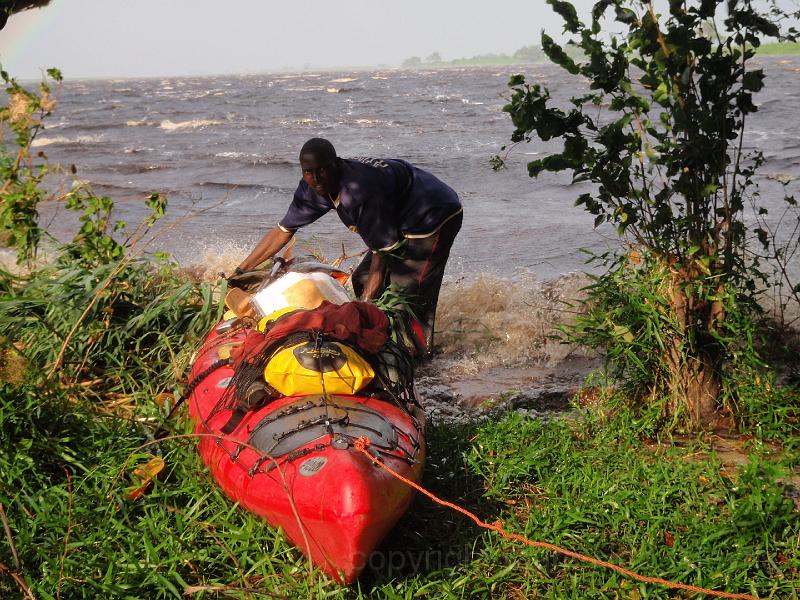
point(230, 143)
point(228, 146)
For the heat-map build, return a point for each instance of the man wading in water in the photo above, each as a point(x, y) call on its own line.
point(406, 217)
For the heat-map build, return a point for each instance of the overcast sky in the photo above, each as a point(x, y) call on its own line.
point(128, 38)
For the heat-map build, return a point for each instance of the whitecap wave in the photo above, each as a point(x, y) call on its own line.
point(168, 125)
point(222, 257)
point(235, 155)
point(365, 122)
point(306, 121)
point(312, 88)
point(490, 321)
point(59, 139)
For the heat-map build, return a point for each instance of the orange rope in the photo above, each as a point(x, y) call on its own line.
point(361, 445)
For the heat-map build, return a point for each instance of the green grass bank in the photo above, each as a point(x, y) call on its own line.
point(599, 487)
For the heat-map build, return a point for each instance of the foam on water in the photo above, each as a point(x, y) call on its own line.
point(236, 155)
point(489, 321)
point(60, 139)
point(218, 258)
point(168, 125)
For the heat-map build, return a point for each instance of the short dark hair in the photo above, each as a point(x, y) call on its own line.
point(321, 148)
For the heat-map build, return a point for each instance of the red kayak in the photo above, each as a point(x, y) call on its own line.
point(291, 459)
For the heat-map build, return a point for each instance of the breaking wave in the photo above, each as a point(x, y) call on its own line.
point(59, 139)
point(365, 122)
point(236, 155)
point(222, 257)
point(168, 125)
point(489, 321)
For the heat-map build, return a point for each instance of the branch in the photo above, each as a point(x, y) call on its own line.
point(26, 590)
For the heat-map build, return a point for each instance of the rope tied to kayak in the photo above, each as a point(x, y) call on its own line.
point(362, 443)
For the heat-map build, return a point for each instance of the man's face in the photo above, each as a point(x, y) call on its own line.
point(322, 176)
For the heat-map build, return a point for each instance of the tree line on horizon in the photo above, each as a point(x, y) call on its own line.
point(535, 54)
point(526, 54)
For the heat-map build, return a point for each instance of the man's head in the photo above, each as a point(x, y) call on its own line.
point(320, 167)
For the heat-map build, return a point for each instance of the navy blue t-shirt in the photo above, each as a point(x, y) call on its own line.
point(380, 199)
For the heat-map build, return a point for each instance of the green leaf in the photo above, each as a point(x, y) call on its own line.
point(621, 331)
point(556, 54)
point(753, 80)
point(55, 74)
point(568, 13)
point(709, 189)
point(626, 15)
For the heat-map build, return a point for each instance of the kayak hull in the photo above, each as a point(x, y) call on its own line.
point(331, 501)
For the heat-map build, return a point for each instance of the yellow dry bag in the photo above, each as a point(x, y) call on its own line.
point(303, 369)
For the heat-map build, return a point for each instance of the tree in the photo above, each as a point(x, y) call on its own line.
point(414, 61)
point(529, 54)
point(434, 58)
point(9, 7)
point(675, 313)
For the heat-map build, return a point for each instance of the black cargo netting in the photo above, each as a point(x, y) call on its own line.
point(336, 420)
point(249, 372)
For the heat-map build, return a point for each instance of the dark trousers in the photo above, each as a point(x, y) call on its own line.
point(416, 270)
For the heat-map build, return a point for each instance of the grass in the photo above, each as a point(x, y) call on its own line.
point(70, 443)
point(595, 488)
point(779, 48)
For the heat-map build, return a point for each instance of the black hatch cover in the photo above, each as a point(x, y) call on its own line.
point(313, 417)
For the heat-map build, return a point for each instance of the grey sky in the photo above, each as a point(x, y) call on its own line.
point(126, 38)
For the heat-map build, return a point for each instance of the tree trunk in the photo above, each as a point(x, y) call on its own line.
point(693, 356)
point(694, 387)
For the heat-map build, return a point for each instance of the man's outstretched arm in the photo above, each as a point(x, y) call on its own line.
point(269, 246)
point(374, 278)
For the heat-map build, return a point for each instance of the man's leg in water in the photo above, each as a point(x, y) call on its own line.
point(418, 269)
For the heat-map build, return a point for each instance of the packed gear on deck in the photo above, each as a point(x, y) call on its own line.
point(309, 345)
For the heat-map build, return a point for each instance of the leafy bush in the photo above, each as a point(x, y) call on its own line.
point(660, 135)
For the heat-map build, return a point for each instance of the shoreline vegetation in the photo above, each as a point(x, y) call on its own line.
point(95, 347)
point(535, 55)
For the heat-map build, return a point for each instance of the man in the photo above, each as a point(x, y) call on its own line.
point(406, 217)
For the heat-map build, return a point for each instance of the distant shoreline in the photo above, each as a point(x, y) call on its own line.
point(499, 60)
